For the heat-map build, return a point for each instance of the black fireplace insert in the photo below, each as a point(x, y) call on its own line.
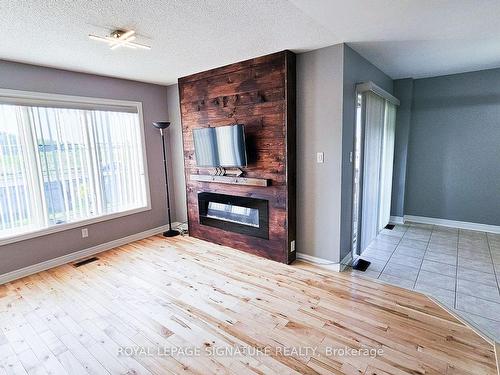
point(242, 215)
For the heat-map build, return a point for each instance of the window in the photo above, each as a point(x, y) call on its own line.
point(67, 160)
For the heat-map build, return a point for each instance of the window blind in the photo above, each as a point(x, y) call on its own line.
point(63, 165)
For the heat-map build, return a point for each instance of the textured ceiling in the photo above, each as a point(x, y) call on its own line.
point(404, 38)
point(186, 36)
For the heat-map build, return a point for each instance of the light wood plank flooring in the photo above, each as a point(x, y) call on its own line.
point(150, 306)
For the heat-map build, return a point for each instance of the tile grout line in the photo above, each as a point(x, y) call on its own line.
point(393, 251)
point(387, 261)
point(456, 272)
point(423, 257)
point(477, 315)
point(493, 264)
point(460, 311)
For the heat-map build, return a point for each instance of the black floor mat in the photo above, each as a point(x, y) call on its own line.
point(360, 265)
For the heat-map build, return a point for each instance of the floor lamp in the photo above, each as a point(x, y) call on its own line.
point(162, 125)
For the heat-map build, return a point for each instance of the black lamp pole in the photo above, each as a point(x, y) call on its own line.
point(162, 125)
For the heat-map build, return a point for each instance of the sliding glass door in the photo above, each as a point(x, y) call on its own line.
point(376, 122)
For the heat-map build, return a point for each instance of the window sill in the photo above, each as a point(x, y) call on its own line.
point(67, 226)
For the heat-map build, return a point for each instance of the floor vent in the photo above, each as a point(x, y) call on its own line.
point(85, 261)
point(390, 226)
point(360, 265)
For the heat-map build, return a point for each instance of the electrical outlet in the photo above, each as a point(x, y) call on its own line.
point(320, 157)
point(292, 246)
point(85, 233)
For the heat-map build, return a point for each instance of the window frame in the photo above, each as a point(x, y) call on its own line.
point(8, 96)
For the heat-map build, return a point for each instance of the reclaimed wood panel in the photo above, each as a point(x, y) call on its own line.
point(158, 294)
point(259, 93)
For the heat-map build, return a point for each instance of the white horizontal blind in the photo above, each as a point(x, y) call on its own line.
point(62, 165)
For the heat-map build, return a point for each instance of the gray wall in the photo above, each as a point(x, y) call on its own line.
point(176, 155)
point(154, 99)
point(326, 81)
point(319, 129)
point(454, 154)
point(403, 90)
point(356, 70)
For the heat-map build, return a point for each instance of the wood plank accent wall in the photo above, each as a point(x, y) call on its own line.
point(259, 93)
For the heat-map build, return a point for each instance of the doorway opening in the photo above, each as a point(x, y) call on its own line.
point(372, 159)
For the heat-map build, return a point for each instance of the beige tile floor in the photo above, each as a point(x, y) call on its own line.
point(459, 268)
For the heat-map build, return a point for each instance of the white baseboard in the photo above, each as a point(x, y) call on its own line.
point(320, 262)
point(77, 255)
point(453, 223)
point(397, 220)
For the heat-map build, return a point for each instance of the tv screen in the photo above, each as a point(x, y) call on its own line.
point(223, 146)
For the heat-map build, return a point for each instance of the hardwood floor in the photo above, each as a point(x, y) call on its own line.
point(152, 296)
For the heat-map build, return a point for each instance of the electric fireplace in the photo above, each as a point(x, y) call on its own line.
point(232, 213)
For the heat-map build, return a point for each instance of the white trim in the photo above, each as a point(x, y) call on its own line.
point(320, 262)
point(453, 223)
point(33, 97)
point(144, 154)
point(77, 255)
point(397, 220)
point(370, 86)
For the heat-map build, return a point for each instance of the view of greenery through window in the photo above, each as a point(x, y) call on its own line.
point(61, 165)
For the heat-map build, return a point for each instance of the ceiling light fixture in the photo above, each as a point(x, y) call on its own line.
point(120, 38)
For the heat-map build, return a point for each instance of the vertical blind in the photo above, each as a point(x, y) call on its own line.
point(387, 162)
point(379, 135)
point(62, 165)
point(374, 107)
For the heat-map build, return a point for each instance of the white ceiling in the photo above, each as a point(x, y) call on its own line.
point(415, 38)
point(404, 38)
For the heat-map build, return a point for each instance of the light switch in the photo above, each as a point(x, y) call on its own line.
point(320, 157)
point(85, 233)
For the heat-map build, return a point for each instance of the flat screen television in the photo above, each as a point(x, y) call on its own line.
point(222, 146)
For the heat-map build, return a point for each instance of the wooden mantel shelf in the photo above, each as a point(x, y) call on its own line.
point(231, 180)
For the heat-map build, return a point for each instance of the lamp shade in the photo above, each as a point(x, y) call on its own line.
point(161, 124)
